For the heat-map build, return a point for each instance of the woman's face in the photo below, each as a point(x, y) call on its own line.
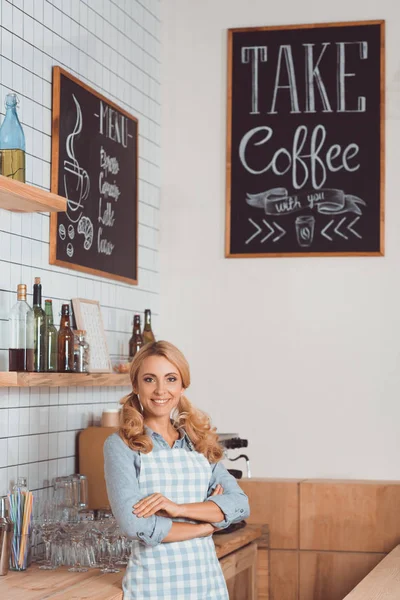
point(159, 386)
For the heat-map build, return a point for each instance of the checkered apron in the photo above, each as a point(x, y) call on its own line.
point(187, 570)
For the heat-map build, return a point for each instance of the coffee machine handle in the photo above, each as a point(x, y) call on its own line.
point(247, 463)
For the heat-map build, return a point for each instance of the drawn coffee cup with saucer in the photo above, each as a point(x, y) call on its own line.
point(76, 187)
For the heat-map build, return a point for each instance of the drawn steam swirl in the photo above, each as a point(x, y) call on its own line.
point(76, 131)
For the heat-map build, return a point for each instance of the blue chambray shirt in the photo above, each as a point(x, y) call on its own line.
point(122, 469)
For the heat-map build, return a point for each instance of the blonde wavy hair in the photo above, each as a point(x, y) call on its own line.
point(196, 423)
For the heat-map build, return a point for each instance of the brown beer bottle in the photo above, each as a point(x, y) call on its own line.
point(65, 342)
point(148, 335)
point(136, 341)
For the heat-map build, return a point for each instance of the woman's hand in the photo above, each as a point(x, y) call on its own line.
point(156, 504)
point(217, 491)
point(207, 529)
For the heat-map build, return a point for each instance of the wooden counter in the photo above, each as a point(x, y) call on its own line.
point(383, 582)
point(237, 552)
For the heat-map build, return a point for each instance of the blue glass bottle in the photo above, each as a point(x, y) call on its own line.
point(12, 142)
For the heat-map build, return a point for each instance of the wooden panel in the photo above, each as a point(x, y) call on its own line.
point(262, 574)
point(239, 569)
point(21, 197)
point(239, 585)
point(284, 575)
point(349, 516)
point(14, 379)
point(331, 575)
point(275, 502)
point(381, 582)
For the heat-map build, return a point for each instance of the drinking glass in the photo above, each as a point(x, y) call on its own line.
point(111, 532)
point(80, 491)
point(47, 522)
point(76, 527)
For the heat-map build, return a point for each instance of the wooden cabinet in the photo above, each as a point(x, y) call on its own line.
point(239, 570)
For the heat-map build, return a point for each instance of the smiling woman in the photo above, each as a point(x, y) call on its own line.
point(166, 486)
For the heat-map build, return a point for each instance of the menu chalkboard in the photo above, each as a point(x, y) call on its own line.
point(305, 140)
point(94, 166)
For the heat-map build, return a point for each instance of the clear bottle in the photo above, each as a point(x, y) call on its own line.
point(65, 342)
point(81, 352)
point(148, 335)
point(50, 339)
point(12, 142)
point(136, 341)
point(20, 353)
point(36, 320)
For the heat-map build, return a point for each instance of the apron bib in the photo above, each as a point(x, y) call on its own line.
point(187, 570)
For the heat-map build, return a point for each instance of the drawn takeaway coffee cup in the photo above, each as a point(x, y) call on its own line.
point(76, 184)
point(305, 230)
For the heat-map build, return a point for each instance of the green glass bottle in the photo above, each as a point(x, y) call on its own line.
point(50, 339)
point(35, 324)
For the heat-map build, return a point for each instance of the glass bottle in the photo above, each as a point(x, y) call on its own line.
point(12, 142)
point(35, 320)
point(148, 335)
point(136, 341)
point(65, 342)
point(50, 339)
point(21, 485)
point(81, 352)
point(20, 353)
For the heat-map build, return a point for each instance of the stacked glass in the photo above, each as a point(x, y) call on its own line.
point(65, 533)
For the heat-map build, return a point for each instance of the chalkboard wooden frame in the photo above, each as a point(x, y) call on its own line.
point(380, 219)
point(55, 151)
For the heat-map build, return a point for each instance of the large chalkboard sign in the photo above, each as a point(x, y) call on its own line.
point(305, 140)
point(94, 165)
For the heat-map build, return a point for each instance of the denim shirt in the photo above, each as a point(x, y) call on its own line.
point(122, 470)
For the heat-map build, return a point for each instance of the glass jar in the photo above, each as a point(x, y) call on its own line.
point(81, 352)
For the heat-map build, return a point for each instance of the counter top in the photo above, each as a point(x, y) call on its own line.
point(59, 584)
point(383, 582)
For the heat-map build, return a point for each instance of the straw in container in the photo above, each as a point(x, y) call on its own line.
point(20, 502)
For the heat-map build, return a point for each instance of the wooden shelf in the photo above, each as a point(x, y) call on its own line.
point(14, 379)
point(21, 197)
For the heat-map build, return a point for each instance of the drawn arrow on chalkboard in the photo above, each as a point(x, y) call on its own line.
point(254, 234)
point(278, 227)
point(336, 230)
point(349, 227)
point(271, 231)
point(323, 231)
point(278, 230)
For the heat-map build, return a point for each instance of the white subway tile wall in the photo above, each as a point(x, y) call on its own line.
point(113, 46)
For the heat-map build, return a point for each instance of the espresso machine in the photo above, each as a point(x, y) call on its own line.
point(232, 441)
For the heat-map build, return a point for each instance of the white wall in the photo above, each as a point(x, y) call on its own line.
point(113, 45)
point(300, 356)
